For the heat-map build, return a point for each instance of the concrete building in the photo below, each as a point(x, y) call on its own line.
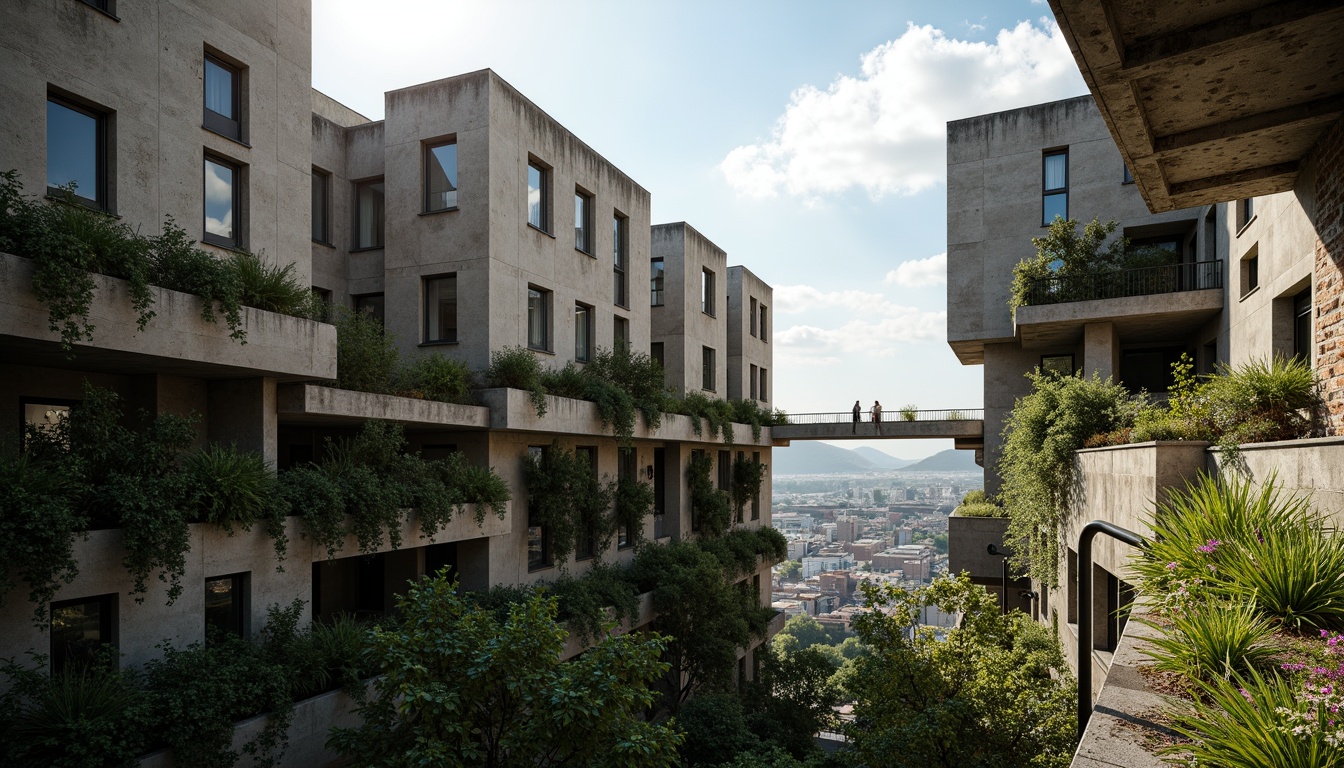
point(1227, 117)
point(467, 219)
point(818, 564)
point(749, 357)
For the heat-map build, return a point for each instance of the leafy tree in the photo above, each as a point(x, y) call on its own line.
point(791, 569)
point(707, 617)
point(792, 698)
point(461, 687)
point(716, 730)
point(800, 633)
point(993, 692)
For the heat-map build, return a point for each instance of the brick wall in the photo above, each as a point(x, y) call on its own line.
point(1329, 274)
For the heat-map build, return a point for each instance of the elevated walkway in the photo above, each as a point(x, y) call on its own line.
point(966, 426)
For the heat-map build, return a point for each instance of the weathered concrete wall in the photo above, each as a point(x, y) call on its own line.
point(146, 71)
point(746, 346)
point(1311, 468)
point(681, 323)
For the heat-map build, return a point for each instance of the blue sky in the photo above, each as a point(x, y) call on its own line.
point(804, 138)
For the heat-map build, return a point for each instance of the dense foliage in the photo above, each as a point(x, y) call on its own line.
point(1040, 437)
point(621, 383)
point(460, 687)
point(993, 691)
point(70, 242)
point(518, 368)
point(711, 514)
point(565, 495)
point(747, 478)
point(1066, 253)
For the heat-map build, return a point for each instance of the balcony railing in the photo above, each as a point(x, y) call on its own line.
point(894, 415)
point(1115, 284)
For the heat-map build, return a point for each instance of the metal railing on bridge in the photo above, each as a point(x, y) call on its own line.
point(890, 417)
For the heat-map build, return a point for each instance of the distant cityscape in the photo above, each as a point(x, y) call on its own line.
point(845, 528)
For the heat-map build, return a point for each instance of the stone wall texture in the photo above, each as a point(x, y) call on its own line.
point(1330, 275)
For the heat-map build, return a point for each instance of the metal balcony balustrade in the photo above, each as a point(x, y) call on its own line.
point(889, 417)
point(1120, 283)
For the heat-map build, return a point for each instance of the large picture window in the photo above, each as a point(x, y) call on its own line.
point(369, 214)
point(77, 151)
point(223, 201)
point(441, 308)
point(441, 177)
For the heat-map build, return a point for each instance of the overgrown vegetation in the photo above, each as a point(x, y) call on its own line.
point(518, 368)
point(1241, 577)
point(567, 498)
point(365, 485)
point(710, 511)
point(70, 242)
point(748, 475)
point(457, 682)
point(1083, 263)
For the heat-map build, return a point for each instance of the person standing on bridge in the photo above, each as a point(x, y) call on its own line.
point(858, 414)
point(877, 416)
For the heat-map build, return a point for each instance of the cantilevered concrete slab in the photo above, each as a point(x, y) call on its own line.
point(1211, 101)
point(314, 405)
point(1136, 318)
point(176, 341)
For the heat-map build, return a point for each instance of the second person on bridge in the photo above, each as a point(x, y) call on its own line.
point(877, 416)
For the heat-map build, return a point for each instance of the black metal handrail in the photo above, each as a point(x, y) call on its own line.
point(1085, 538)
point(1119, 283)
point(889, 417)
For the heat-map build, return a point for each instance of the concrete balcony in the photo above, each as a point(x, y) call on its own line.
point(176, 341)
point(315, 405)
point(512, 409)
point(1135, 318)
point(576, 644)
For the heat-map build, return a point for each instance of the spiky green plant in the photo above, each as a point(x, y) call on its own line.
point(1208, 641)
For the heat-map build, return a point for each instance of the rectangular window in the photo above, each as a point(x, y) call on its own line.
point(538, 318)
point(707, 292)
point(79, 628)
point(77, 152)
point(737, 513)
point(106, 6)
point(322, 303)
point(752, 378)
point(585, 536)
point(223, 203)
point(620, 334)
point(763, 391)
point(321, 204)
point(1303, 333)
point(45, 414)
point(583, 221)
point(538, 543)
point(707, 369)
point(756, 500)
point(371, 303)
point(225, 598)
point(441, 308)
point(656, 352)
point(1054, 186)
point(751, 324)
point(223, 86)
point(1245, 211)
point(369, 214)
point(538, 197)
point(441, 177)
point(620, 280)
point(696, 454)
point(626, 471)
point(764, 336)
point(1059, 365)
point(725, 468)
point(583, 332)
point(1250, 272)
point(656, 282)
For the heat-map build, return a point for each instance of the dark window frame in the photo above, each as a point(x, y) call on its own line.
point(238, 586)
point(356, 208)
point(322, 181)
point(102, 183)
point(543, 534)
point(708, 369)
point(107, 626)
point(627, 469)
point(1303, 325)
point(424, 292)
point(544, 206)
point(708, 286)
point(1048, 192)
point(584, 226)
point(751, 323)
point(1047, 367)
point(585, 540)
point(657, 282)
point(429, 157)
point(106, 7)
point(764, 336)
point(620, 260)
point(378, 309)
point(756, 500)
point(546, 336)
point(239, 218)
point(620, 333)
point(583, 317)
point(763, 388)
point(215, 122)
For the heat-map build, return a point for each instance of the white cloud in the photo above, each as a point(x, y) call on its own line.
point(884, 131)
point(791, 299)
point(882, 337)
point(919, 272)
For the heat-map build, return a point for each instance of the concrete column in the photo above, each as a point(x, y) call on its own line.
point(1101, 351)
point(243, 412)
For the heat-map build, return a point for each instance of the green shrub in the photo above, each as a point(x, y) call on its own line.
point(975, 497)
point(477, 486)
point(271, 287)
point(636, 374)
point(518, 368)
point(1041, 434)
point(565, 496)
point(1257, 721)
point(366, 356)
point(1214, 640)
point(236, 487)
point(1263, 400)
point(435, 377)
point(909, 412)
point(91, 717)
point(710, 510)
point(315, 497)
point(177, 264)
point(633, 502)
point(39, 520)
point(499, 599)
point(718, 413)
point(980, 509)
point(584, 600)
point(1296, 576)
point(747, 478)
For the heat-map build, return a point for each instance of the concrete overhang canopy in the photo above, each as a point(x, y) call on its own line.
point(1156, 317)
point(1210, 100)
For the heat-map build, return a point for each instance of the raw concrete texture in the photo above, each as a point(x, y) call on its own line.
point(746, 347)
point(681, 324)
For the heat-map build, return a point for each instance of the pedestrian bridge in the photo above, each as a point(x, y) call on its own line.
point(966, 426)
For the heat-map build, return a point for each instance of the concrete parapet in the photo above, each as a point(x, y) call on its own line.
point(316, 404)
point(175, 341)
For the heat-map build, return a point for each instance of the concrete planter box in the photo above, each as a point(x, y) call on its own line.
point(176, 340)
point(575, 644)
point(315, 404)
point(313, 720)
point(1313, 468)
point(968, 539)
point(512, 409)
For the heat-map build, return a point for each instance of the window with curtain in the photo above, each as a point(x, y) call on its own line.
point(369, 214)
point(1055, 186)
